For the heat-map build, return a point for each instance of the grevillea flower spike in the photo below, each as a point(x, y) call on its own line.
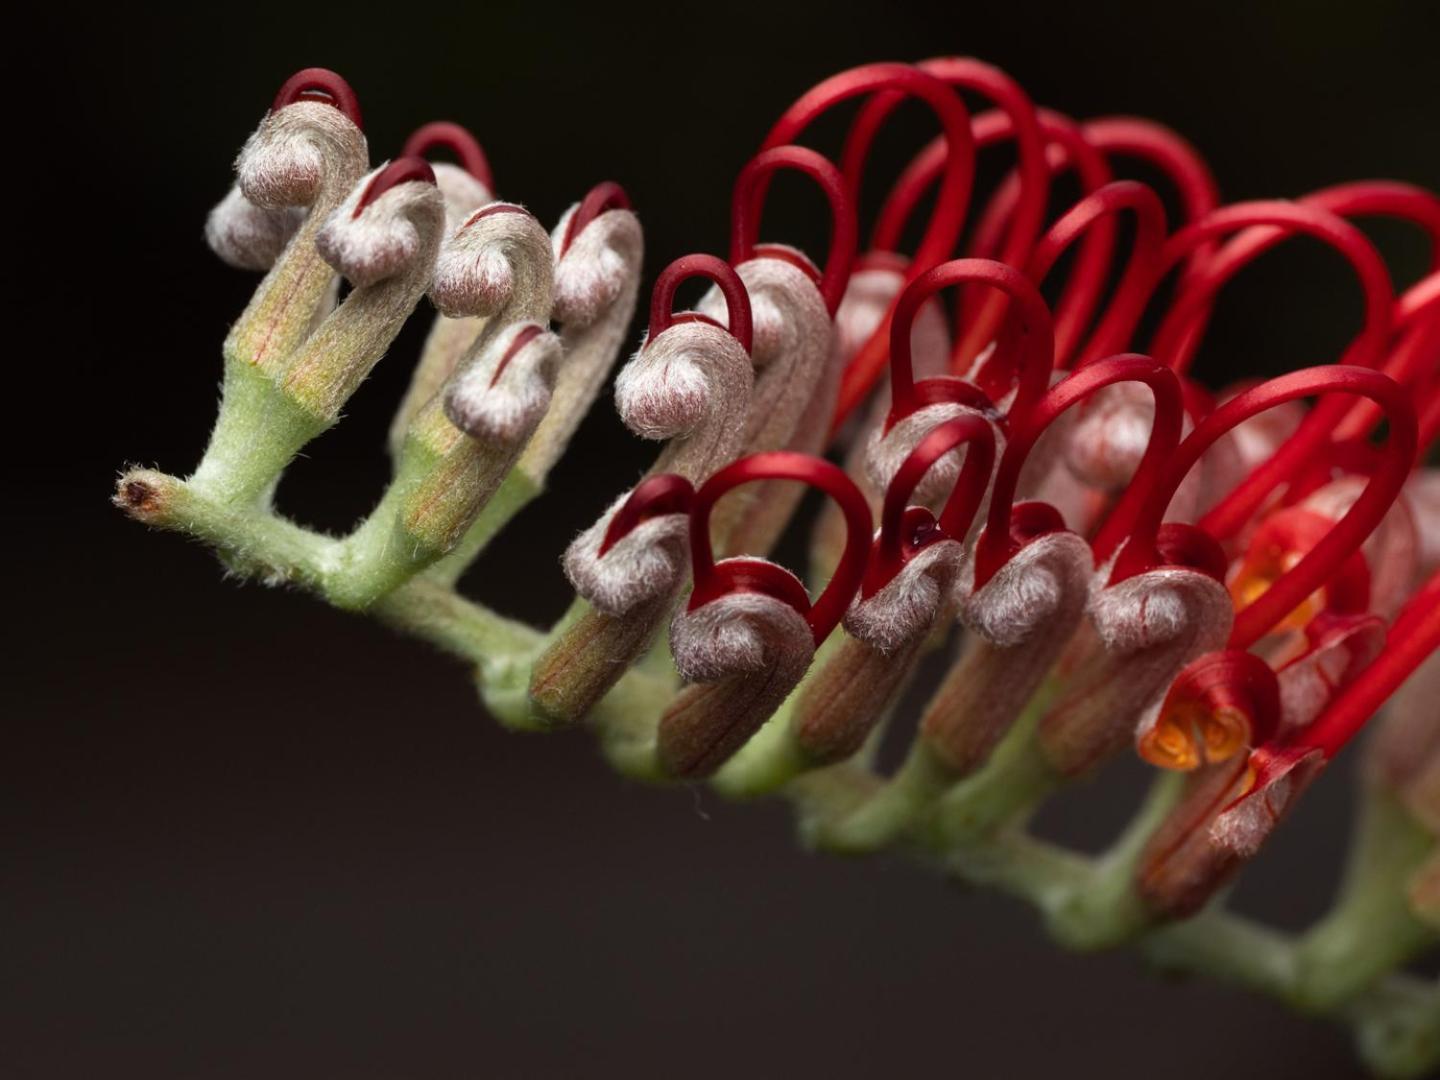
point(749, 631)
point(1021, 466)
point(690, 383)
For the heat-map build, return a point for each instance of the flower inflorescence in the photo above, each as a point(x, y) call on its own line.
point(1231, 584)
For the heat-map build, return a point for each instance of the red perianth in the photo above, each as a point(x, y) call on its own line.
point(995, 547)
point(746, 208)
point(718, 272)
point(713, 582)
point(1327, 556)
point(447, 135)
point(319, 84)
point(889, 552)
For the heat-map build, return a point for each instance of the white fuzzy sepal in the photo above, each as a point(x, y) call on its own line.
point(741, 634)
point(907, 607)
point(646, 563)
point(501, 407)
point(1029, 591)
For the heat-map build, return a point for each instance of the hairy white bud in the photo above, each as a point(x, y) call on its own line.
point(909, 604)
point(646, 563)
point(250, 237)
point(298, 152)
point(1041, 589)
point(498, 260)
point(384, 237)
point(500, 398)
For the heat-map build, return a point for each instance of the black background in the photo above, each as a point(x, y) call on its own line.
point(246, 836)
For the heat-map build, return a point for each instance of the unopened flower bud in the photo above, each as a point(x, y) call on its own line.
point(391, 219)
point(501, 398)
point(745, 652)
point(499, 260)
point(250, 237)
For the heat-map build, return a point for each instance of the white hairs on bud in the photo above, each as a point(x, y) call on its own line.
point(595, 286)
point(646, 563)
point(793, 396)
point(909, 604)
point(887, 450)
point(250, 237)
point(592, 274)
point(490, 263)
point(501, 408)
point(741, 634)
point(1159, 607)
point(1244, 827)
point(1107, 441)
point(382, 240)
point(1308, 683)
point(691, 376)
point(463, 193)
point(296, 152)
point(1043, 585)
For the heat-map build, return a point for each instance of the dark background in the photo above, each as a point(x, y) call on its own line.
point(244, 835)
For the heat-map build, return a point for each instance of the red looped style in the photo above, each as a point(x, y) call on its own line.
point(1014, 104)
point(1414, 356)
point(319, 84)
point(996, 546)
point(1158, 146)
point(1032, 323)
point(655, 496)
point(606, 195)
point(526, 335)
point(906, 530)
point(1345, 536)
point(403, 170)
point(714, 580)
point(890, 83)
point(446, 135)
point(1177, 337)
point(722, 275)
point(746, 209)
point(1132, 291)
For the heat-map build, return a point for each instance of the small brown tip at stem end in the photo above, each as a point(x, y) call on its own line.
point(143, 494)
